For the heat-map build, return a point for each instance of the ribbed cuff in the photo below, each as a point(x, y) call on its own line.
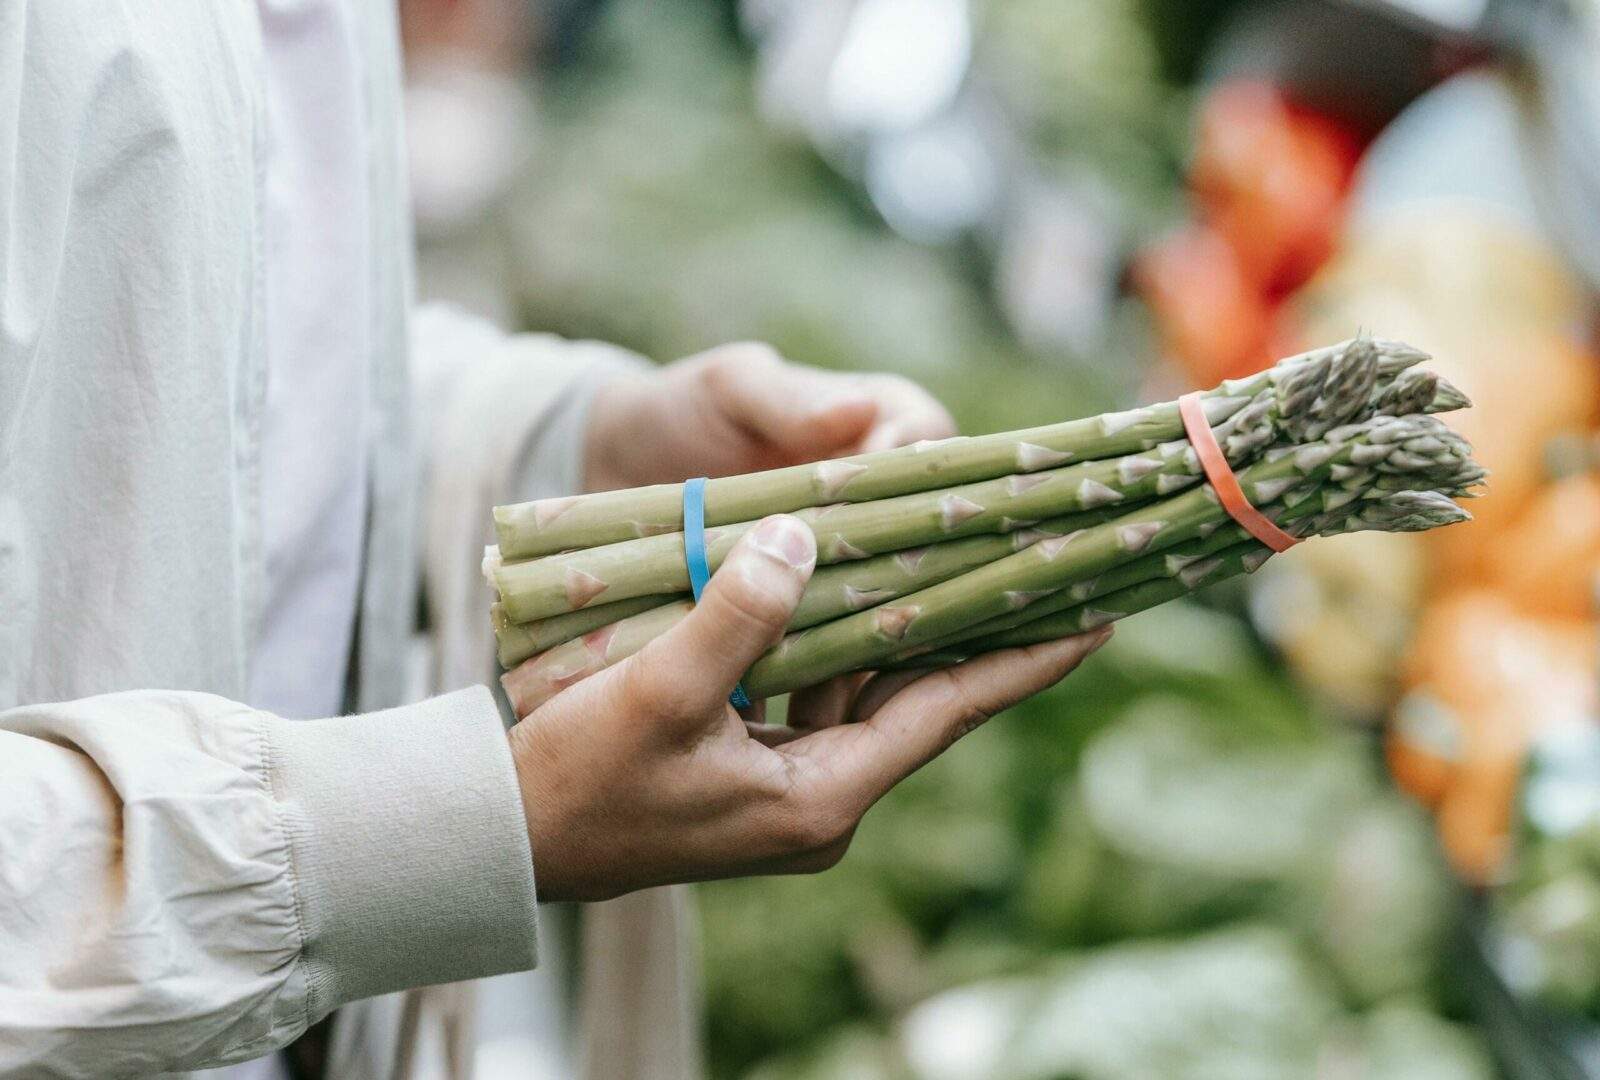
point(409, 847)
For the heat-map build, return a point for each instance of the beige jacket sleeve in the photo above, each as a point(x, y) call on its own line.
point(636, 1014)
point(503, 418)
point(187, 882)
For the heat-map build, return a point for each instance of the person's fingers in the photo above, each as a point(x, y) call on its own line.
point(771, 734)
point(805, 412)
point(929, 714)
point(830, 777)
point(906, 414)
point(825, 705)
point(882, 688)
point(693, 667)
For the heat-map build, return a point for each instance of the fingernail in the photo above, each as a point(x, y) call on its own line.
point(1101, 636)
point(787, 540)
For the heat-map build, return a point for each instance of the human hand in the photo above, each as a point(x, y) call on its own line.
point(742, 407)
point(644, 775)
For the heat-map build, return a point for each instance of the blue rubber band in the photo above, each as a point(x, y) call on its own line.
point(694, 552)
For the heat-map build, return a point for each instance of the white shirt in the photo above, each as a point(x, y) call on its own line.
point(318, 328)
point(313, 465)
point(186, 880)
point(318, 314)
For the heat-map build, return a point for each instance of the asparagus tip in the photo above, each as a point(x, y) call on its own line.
point(1448, 397)
point(1412, 511)
point(1396, 356)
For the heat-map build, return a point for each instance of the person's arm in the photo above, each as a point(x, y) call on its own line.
point(186, 882)
point(644, 775)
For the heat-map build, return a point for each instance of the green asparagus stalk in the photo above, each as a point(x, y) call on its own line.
point(847, 532)
point(553, 525)
point(1416, 450)
point(515, 642)
point(541, 677)
point(1310, 396)
point(1415, 446)
point(1086, 616)
point(833, 590)
point(1195, 562)
point(1427, 510)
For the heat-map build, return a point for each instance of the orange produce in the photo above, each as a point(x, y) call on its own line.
point(1547, 562)
point(1211, 320)
point(1475, 816)
point(1502, 315)
point(1548, 388)
point(1271, 176)
point(1484, 678)
point(1423, 747)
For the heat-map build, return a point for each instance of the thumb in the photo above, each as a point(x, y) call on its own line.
point(741, 614)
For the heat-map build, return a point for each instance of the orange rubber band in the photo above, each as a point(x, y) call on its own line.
point(1223, 480)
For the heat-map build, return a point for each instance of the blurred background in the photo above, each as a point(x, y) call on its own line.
point(1343, 822)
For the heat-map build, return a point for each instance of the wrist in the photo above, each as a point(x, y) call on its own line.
point(554, 802)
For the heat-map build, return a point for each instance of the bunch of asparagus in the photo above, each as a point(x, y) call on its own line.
point(939, 551)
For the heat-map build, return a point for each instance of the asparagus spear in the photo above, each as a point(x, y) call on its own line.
point(515, 642)
point(1411, 511)
point(540, 678)
point(1309, 393)
point(1415, 446)
point(833, 590)
point(1417, 451)
point(552, 525)
point(1195, 562)
point(1090, 614)
point(846, 532)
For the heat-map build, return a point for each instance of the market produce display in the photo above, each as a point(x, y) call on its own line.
point(949, 548)
point(1498, 630)
point(1218, 890)
point(1478, 644)
point(1190, 810)
point(1269, 177)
